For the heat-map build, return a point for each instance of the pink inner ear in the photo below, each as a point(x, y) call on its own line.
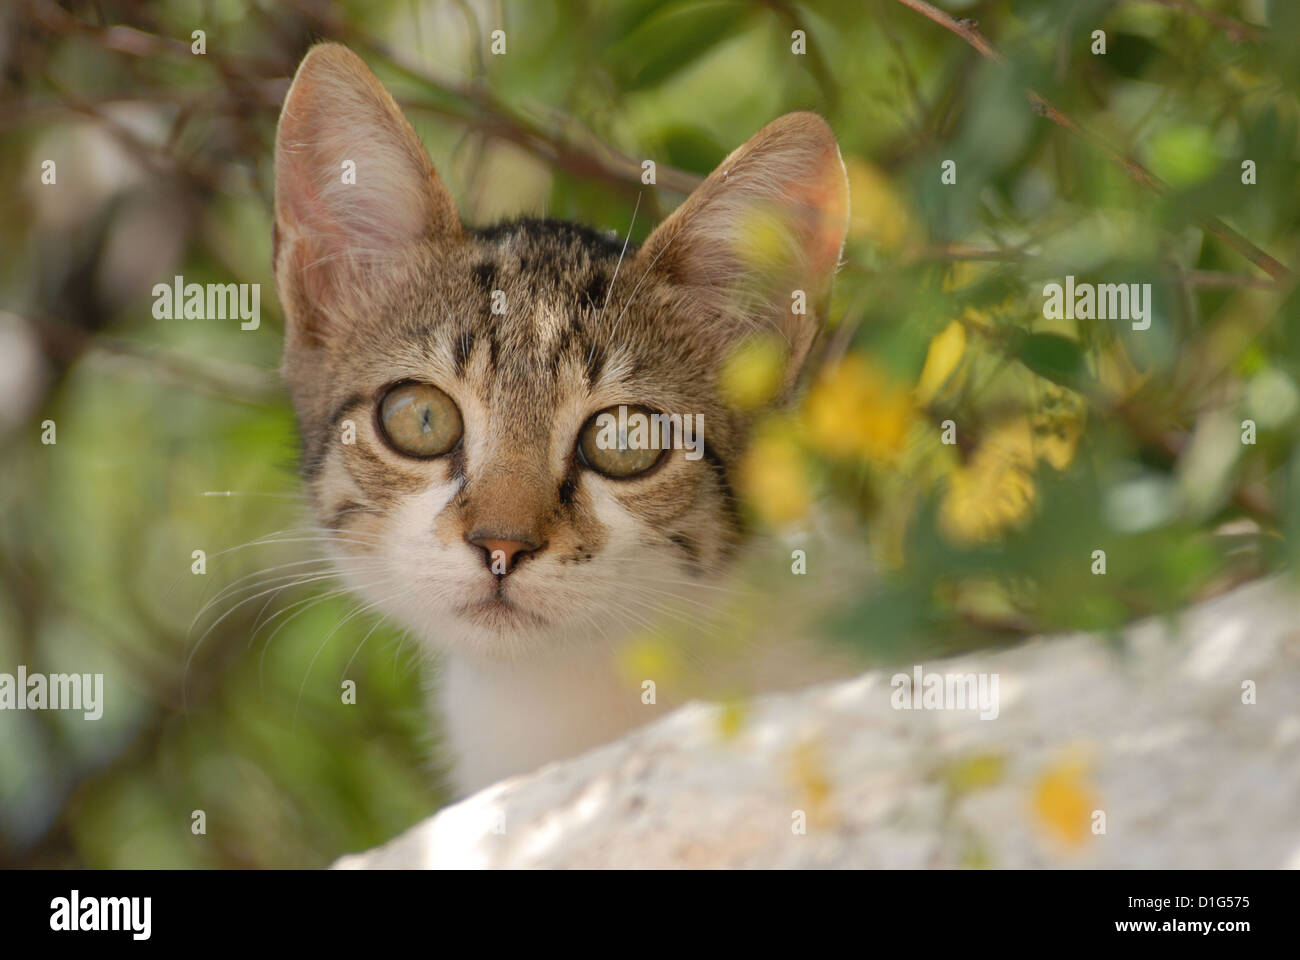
point(337, 111)
point(383, 211)
point(303, 205)
point(825, 202)
point(335, 233)
point(791, 169)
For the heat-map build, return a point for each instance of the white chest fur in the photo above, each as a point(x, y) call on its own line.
point(503, 718)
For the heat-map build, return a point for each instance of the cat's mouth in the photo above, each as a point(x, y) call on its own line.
point(497, 611)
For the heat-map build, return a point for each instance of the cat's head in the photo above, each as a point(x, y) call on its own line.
point(448, 380)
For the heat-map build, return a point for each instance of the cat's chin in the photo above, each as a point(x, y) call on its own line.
point(499, 629)
point(502, 615)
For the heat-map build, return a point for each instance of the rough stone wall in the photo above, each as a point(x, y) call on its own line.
point(1151, 732)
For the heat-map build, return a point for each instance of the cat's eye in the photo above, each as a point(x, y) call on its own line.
point(420, 420)
point(622, 441)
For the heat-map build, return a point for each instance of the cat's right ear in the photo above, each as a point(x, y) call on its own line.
point(354, 191)
point(762, 234)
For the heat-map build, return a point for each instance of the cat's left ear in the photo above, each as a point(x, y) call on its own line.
point(758, 242)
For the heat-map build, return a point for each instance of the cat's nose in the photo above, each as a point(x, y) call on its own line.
point(501, 554)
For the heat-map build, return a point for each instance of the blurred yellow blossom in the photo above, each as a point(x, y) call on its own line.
point(811, 779)
point(967, 273)
point(751, 373)
point(773, 476)
point(1058, 425)
point(974, 772)
point(962, 273)
point(650, 657)
point(876, 212)
point(1063, 801)
point(945, 352)
point(732, 716)
point(854, 410)
point(764, 237)
point(995, 490)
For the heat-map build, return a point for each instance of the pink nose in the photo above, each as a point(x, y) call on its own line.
point(502, 555)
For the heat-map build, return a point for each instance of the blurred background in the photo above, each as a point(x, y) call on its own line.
point(174, 436)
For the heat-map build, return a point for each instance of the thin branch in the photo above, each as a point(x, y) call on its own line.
point(965, 28)
point(228, 380)
point(1216, 279)
point(816, 62)
point(968, 30)
point(574, 149)
point(477, 107)
point(1236, 30)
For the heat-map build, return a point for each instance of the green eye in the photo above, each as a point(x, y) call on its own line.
point(622, 441)
point(420, 420)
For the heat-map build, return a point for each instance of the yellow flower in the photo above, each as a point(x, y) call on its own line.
point(751, 374)
point(995, 490)
point(773, 476)
point(977, 772)
point(764, 238)
point(967, 273)
point(811, 779)
point(1058, 425)
point(732, 716)
point(649, 657)
point(941, 360)
point(876, 212)
point(962, 273)
point(1064, 803)
point(855, 411)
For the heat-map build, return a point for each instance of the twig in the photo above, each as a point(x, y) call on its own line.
point(1215, 279)
point(587, 156)
point(816, 62)
point(968, 31)
point(1235, 29)
point(479, 108)
point(964, 28)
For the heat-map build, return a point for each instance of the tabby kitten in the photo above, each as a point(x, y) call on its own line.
point(471, 365)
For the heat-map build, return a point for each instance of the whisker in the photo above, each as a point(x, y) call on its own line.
point(378, 622)
point(303, 686)
point(310, 602)
point(242, 583)
point(632, 296)
point(274, 538)
point(253, 493)
point(189, 661)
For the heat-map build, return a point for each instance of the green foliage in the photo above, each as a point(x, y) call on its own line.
point(1098, 436)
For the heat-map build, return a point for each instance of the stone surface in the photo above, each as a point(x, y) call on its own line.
point(1152, 732)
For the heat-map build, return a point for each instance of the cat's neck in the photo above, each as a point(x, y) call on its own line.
point(509, 717)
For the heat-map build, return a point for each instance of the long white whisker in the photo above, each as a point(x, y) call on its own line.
point(312, 662)
point(190, 659)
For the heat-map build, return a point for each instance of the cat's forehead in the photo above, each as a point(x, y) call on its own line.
point(537, 288)
point(532, 305)
point(539, 246)
point(530, 316)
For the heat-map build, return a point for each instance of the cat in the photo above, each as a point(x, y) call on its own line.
point(473, 505)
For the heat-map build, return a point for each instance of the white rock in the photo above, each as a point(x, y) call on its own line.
point(1154, 728)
